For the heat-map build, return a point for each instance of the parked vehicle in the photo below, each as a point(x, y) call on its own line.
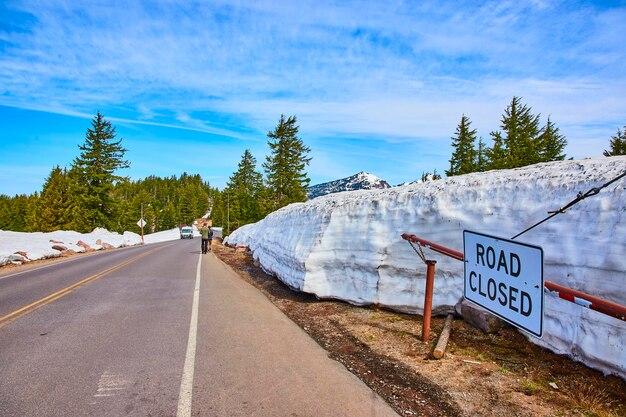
point(186, 232)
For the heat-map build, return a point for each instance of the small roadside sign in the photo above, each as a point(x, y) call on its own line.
point(141, 222)
point(506, 278)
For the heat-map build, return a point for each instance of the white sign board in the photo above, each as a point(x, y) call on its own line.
point(506, 278)
point(141, 223)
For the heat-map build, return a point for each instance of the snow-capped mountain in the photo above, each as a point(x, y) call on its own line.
point(360, 181)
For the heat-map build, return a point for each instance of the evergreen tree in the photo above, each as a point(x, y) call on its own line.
point(430, 176)
point(481, 157)
point(463, 159)
point(521, 140)
point(287, 179)
point(245, 187)
point(617, 145)
point(94, 169)
point(16, 211)
point(552, 143)
point(168, 217)
point(497, 154)
point(52, 210)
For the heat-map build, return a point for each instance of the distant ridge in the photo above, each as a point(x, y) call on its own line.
point(360, 181)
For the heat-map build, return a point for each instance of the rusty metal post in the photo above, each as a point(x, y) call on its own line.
point(428, 298)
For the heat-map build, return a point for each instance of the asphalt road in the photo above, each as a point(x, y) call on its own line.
point(160, 330)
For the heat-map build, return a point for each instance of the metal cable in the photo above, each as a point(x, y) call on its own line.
point(581, 196)
point(420, 253)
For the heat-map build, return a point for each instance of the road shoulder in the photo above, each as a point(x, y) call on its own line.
point(253, 360)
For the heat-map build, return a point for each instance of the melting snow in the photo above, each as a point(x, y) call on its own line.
point(348, 245)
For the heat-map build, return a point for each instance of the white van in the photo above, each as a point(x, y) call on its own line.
point(186, 232)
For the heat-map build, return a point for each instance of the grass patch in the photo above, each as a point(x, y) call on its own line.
point(529, 387)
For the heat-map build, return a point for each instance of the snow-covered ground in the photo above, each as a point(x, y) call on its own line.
point(14, 245)
point(348, 245)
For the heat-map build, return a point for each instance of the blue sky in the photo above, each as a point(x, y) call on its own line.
point(377, 86)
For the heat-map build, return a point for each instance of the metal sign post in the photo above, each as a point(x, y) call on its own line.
point(506, 278)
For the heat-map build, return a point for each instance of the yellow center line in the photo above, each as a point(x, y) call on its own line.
point(64, 291)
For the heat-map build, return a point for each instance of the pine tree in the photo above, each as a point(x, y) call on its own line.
point(52, 210)
point(481, 157)
point(245, 187)
point(551, 142)
point(463, 159)
point(100, 157)
point(617, 145)
point(168, 217)
point(521, 129)
point(287, 179)
point(16, 211)
point(497, 154)
point(430, 176)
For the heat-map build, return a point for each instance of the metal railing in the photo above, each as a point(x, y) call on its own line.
point(581, 298)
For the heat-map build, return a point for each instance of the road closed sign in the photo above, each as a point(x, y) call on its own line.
point(506, 278)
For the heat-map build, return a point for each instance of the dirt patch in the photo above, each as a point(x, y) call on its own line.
point(481, 374)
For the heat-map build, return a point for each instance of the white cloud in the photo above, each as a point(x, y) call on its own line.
point(396, 71)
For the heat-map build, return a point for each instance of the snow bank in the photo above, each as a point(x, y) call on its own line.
point(348, 245)
point(39, 245)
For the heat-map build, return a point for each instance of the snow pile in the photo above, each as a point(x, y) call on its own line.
point(39, 245)
point(359, 181)
point(348, 245)
point(24, 247)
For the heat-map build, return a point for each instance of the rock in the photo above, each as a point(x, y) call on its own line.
point(59, 247)
point(553, 385)
point(241, 248)
point(55, 241)
point(24, 254)
point(99, 242)
point(479, 317)
point(85, 246)
point(106, 245)
point(18, 257)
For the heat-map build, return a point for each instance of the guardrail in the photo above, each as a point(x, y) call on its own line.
point(581, 298)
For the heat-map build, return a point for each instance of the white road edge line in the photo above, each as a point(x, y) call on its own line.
point(186, 383)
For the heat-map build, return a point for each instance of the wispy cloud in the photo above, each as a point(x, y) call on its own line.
point(395, 71)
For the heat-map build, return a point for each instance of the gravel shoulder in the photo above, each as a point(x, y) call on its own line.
point(481, 374)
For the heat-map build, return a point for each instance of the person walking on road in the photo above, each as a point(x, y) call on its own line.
point(210, 240)
point(205, 232)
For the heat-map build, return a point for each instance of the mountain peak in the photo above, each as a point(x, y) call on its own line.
point(359, 181)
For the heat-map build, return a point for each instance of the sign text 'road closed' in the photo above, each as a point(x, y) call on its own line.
point(506, 278)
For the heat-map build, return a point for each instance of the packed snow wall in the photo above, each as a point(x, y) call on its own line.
point(348, 245)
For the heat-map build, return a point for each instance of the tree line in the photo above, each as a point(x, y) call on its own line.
point(249, 196)
point(91, 193)
point(522, 140)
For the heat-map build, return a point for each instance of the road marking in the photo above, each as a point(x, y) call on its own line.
point(109, 383)
point(62, 292)
point(82, 255)
point(186, 383)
